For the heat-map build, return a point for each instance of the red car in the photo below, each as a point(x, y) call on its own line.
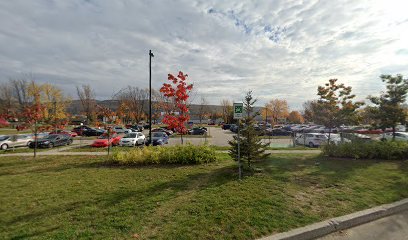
point(103, 141)
point(72, 134)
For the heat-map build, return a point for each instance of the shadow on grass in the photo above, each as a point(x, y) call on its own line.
point(148, 196)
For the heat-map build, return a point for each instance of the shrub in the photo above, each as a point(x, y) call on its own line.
point(180, 154)
point(390, 150)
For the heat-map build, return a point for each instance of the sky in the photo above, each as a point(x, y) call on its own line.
point(278, 49)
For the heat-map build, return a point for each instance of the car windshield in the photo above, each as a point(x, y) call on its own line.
point(2, 138)
point(130, 135)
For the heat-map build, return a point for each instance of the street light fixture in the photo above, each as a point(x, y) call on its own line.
point(150, 96)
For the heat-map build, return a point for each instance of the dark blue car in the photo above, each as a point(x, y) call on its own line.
point(159, 138)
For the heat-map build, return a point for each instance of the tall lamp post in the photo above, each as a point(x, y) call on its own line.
point(150, 96)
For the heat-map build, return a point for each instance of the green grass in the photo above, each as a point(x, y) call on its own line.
point(73, 197)
point(226, 148)
point(23, 150)
point(11, 131)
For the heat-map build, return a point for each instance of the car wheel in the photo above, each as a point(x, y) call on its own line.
point(69, 142)
point(4, 147)
point(28, 144)
point(50, 145)
point(311, 145)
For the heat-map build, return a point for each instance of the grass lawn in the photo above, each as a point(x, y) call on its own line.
point(74, 197)
point(11, 131)
point(23, 150)
point(226, 148)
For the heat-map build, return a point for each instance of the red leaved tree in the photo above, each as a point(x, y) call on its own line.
point(178, 91)
point(31, 115)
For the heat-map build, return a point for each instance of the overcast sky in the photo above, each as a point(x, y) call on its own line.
point(278, 49)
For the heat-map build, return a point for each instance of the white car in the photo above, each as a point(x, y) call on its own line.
point(119, 129)
point(399, 136)
point(336, 138)
point(312, 139)
point(133, 139)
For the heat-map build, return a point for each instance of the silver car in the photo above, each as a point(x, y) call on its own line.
point(15, 141)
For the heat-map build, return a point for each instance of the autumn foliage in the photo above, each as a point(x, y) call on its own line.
point(178, 90)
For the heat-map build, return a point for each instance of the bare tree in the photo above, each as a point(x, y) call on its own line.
point(87, 98)
point(20, 91)
point(135, 99)
point(6, 97)
point(203, 109)
point(227, 111)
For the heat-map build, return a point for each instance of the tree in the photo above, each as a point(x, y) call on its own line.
point(389, 110)
point(335, 105)
point(310, 110)
point(134, 99)
point(295, 117)
point(20, 91)
point(31, 115)
point(227, 111)
point(203, 110)
point(178, 91)
point(276, 109)
point(251, 145)
point(6, 97)
point(88, 103)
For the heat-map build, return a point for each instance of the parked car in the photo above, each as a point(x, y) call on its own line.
point(197, 131)
point(93, 132)
point(132, 139)
point(165, 130)
point(357, 137)
point(81, 130)
point(312, 139)
point(105, 140)
point(15, 141)
point(138, 128)
point(369, 131)
point(159, 138)
point(234, 128)
point(120, 129)
point(277, 132)
point(336, 138)
point(52, 140)
point(72, 134)
point(399, 136)
point(226, 126)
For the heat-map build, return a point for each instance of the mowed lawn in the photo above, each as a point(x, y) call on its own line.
point(83, 198)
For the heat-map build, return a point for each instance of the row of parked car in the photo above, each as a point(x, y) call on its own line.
point(44, 140)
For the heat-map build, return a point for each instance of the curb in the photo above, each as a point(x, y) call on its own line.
point(340, 223)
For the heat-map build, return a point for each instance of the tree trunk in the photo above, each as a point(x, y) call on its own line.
point(181, 137)
point(393, 133)
point(35, 139)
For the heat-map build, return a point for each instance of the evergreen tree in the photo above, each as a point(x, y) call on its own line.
point(251, 146)
point(389, 110)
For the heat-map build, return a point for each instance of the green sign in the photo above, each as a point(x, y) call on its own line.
point(238, 110)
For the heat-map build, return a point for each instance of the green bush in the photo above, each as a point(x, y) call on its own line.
point(390, 150)
point(180, 154)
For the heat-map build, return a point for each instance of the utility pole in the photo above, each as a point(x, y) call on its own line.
point(150, 96)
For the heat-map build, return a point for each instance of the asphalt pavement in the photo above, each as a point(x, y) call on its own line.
point(394, 227)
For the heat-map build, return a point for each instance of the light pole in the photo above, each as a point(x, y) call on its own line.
point(150, 96)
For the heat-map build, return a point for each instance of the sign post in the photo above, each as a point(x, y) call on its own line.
point(238, 112)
